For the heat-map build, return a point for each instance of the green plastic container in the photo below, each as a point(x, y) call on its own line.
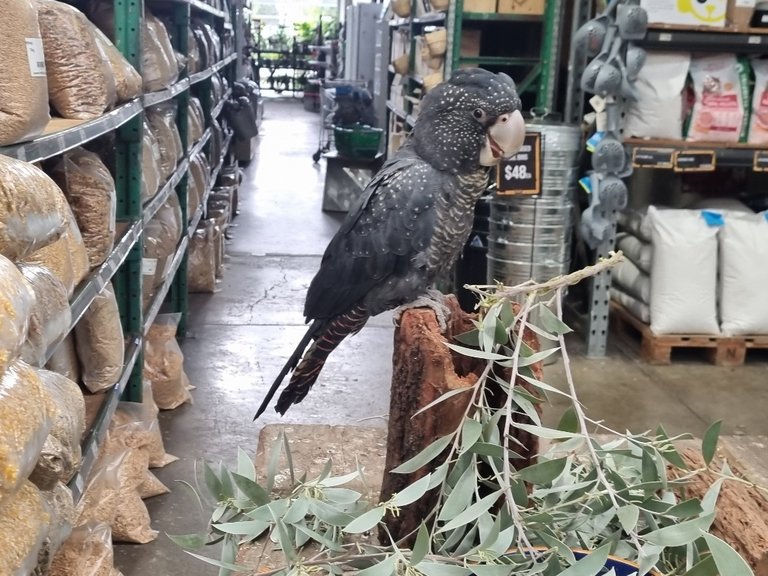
point(357, 141)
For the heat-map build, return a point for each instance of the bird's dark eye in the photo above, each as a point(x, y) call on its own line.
point(479, 114)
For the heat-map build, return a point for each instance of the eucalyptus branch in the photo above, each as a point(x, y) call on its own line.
point(579, 410)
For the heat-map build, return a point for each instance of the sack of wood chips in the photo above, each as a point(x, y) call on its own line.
point(33, 210)
point(17, 301)
point(199, 181)
point(62, 509)
point(80, 81)
point(24, 522)
point(162, 122)
point(100, 343)
point(202, 260)
point(161, 236)
point(27, 414)
point(136, 423)
point(101, 496)
point(196, 120)
point(50, 315)
point(158, 68)
point(151, 173)
point(61, 453)
point(67, 258)
point(164, 363)
point(127, 79)
point(90, 189)
point(87, 552)
point(64, 360)
point(23, 82)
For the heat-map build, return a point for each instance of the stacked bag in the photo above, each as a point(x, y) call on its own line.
point(695, 271)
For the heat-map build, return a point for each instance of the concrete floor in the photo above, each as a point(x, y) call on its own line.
point(240, 336)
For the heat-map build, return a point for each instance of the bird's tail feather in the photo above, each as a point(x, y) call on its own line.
point(328, 339)
point(314, 329)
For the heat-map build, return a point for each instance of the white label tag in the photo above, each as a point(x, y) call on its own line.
point(745, 3)
point(35, 56)
point(148, 266)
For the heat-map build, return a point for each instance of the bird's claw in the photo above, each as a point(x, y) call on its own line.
point(434, 300)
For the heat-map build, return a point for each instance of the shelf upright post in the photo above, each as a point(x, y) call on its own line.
point(128, 280)
point(550, 55)
point(454, 25)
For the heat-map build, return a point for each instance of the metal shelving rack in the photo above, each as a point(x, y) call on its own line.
point(124, 265)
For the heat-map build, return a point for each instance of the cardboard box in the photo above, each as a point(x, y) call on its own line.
point(528, 7)
point(740, 13)
point(686, 12)
point(470, 43)
point(479, 5)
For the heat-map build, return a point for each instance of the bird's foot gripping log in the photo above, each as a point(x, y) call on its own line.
point(434, 300)
point(412, 220)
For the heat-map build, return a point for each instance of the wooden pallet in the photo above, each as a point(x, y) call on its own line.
point(657, 349)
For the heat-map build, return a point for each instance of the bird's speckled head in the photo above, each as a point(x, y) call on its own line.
point(469, 121)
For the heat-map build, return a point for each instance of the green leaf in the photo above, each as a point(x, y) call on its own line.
point(541, 332)
point(218, 563)
point(686, 509)
point(189, 541)
point(434, 569)
point(527, 407)
point(507, 314)
point(649, 557)
point(488, 334)
point(709, 501)
point(709, 442)
point(251, 490)
point(650, 472)
point(519, 493)
point(547, 433)
point(443, 398)
point(569, 422)
point(218, 513)
point(274, 460)
point(228, 555)
point(326, 471)
point(550, 322)
point(543, 386)
point(297, 511)
point(726, 558)
point(471, 338)
point(425, 456)
point(289, 459)
point(670, 453)
point(245, 465)
point(470, 433)
point(250, 528)
point(384, 568)
point(706, 567)
point(473, 512)
point(213, 482)
point(317, 537)
point(628, 517)
point(412, 493)
point(590, 565)
point(480, 354)
point(438, 475)
point(679, 534)
point(460, 497)
point(366, 521)
point(492, 569)
point(341, 495)
point(332, 481)
point(504, 542)
point(500, 337)
point(544, 472)
point(532, 359)
point(284, 539)
point(329, 514)
point(422, 545)
point(492, 450)
point(561, 548)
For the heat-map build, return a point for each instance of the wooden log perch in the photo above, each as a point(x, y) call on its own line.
point(424, 369)
point(742, 512)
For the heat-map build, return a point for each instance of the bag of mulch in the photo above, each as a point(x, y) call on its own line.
point(161, 237)
point(162, 122)
point(50, 315)
point(87, 552)
point(159, 69)
point(193, 53)
point(62, 509)
point(61, 454)
point(196, 120)
point(164, 363)
point(201, 274)
point(90, 189)
point(33, 210)
point(199, 182)
point(100, 343)
point(138, 427)
point(151, 172)
point(67, 258)
point(27, 414)
point(127, 79)
point(80, 81)
point(23, 81)
point(17, 300)
point(758, 125)
point(721, 88)
point(24, 523)
point(64, 359)
point(101, 496)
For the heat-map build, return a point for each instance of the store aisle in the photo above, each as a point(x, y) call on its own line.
point(240, 336)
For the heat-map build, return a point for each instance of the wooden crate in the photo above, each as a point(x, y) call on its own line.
point(480, 6)
point(657, 348)
point(528, 7)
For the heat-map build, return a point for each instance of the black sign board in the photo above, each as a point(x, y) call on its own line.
point(521, 174)
point(695, 161)
point(760, 162)
point(662, 158)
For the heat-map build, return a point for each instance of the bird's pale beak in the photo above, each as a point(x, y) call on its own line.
point(504, 139)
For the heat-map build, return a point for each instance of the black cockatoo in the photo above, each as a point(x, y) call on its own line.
point(412, 220)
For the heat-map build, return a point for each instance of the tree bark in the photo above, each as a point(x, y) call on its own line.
point(424, 369)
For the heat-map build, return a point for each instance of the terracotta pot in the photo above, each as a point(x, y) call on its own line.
point(437, 41)
point(401, 8)
point(401, 64)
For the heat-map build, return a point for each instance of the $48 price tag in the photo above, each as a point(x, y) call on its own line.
point(521, 174)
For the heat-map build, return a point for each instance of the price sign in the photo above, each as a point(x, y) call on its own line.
point(521, 174)
point(695, 161)
point(661, 158)
point(760, 161)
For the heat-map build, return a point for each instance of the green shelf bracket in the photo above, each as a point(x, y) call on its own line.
point(128, 290)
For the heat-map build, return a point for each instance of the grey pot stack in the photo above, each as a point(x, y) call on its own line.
point(530, 237)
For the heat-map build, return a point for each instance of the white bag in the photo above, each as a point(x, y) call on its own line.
point(744, 274)
point(638, 252)
point(639, 310)
point(630, 279)
point(636, 223)
point(658, 110)
point(683, 273)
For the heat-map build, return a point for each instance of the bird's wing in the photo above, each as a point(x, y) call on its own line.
point(391, 224)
